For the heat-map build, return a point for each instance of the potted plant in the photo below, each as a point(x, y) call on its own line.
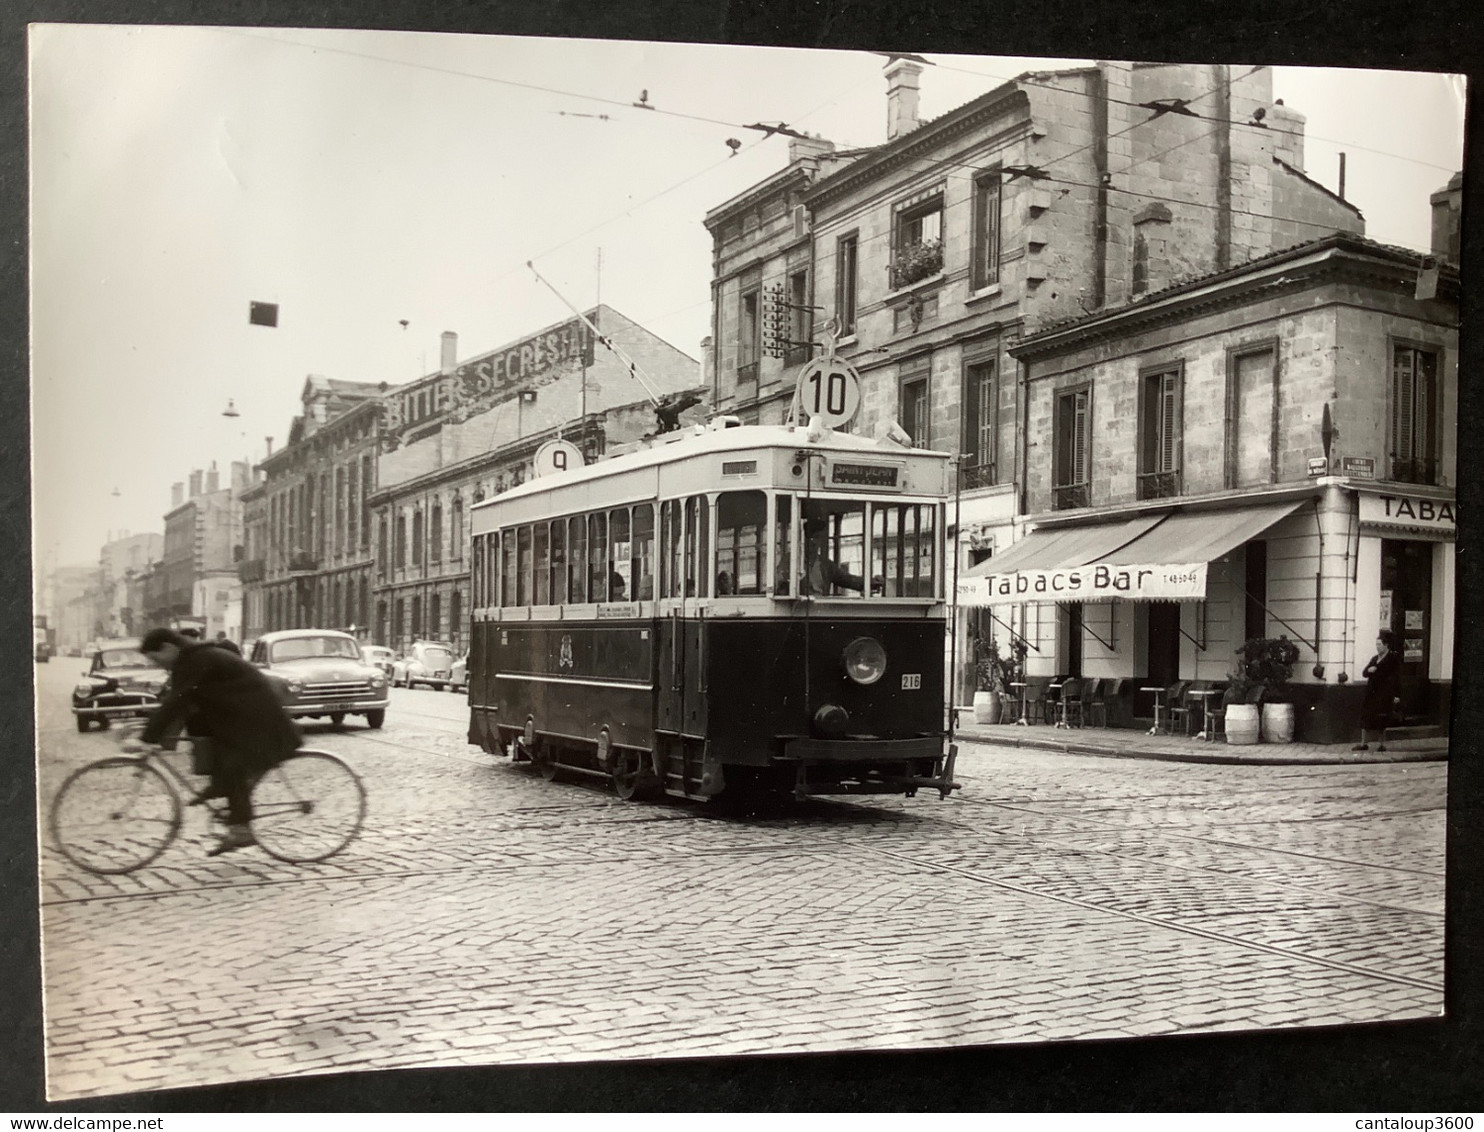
point(916, 261)
point(1269, 661)
point(993, 675)
point(1243, 719)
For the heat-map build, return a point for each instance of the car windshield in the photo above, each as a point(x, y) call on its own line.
point(301, 648)
point(437, 656)
point(123, 658)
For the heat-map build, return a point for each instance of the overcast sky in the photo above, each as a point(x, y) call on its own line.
point(360, 179)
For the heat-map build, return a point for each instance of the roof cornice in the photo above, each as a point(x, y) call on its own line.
point(798, 171)
point(1340, 256)
point(911, 147)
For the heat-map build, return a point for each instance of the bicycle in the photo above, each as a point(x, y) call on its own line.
point(120, 813)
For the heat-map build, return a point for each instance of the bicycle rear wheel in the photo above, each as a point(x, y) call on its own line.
point(114, 816)
point(307, 808)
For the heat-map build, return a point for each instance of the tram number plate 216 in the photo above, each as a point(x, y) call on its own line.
point(911, 681)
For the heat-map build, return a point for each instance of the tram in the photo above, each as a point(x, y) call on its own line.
point(729, 609)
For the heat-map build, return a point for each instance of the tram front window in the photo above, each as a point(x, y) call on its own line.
point(834, 548)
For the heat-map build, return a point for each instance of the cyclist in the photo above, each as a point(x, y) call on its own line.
point(233, 702)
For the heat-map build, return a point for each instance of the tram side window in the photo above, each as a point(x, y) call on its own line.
point(671, 541)
point(523, 566)
point(643, 552)
point(620, 549)
point(541, 552)
point(507, 568)
point(491, 569)
point(477, 565)
point(559, 562)
point(577, 559)
point(697, 545)
point(741, 519)
point(597, 545)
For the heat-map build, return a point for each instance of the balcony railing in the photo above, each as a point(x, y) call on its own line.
point(978, 475)
point(1159, 485)
point(1067, 496)
point(1416, 470)
point(915, 262)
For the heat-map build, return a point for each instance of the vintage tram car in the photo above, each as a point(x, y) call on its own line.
point(724, 609)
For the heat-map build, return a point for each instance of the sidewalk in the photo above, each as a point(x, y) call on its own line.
point(1126, 743)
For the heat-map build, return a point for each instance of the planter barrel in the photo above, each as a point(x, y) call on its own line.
point(986, 707)
point(1243, 724)
point(1277, 723)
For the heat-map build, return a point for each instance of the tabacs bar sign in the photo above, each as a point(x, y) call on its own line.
point(1185, 581)
point(1410, 513)
point(476, 385)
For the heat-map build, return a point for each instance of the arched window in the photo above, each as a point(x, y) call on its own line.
point(383, 553)
point(435, 533)
point(401, 541)
point(456, 529)
point(417, 617)
point(417, 537)
point(435, 617)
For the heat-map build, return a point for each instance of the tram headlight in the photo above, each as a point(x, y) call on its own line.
point(865, 660)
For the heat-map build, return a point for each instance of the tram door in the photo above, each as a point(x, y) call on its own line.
point(681, 689)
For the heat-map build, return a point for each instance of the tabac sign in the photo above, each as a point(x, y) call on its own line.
point(476, 385)
point(1099, 582)
point(1410, 513)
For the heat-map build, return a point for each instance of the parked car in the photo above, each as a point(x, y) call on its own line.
point(320, 674)
point(378, 656)
point(120, 683)
point(43, 652)
point(458, 676)
point(426, 662)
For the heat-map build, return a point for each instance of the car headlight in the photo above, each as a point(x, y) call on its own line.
point(865, 660)
point(377, 680)
point(83, 691)
point(293, 687)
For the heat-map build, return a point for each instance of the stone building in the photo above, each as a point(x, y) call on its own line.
point(1266, 451)
point(122, 562)
point(472, 429)
point(202, 545)
point(310, 547)
point(1053, 195)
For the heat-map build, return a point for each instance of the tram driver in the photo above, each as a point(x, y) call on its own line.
point(822, 573)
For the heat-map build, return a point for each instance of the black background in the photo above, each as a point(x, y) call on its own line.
point(1432, 1067)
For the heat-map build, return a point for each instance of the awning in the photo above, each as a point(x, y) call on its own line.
point(1159, 557)
point(1064, 546)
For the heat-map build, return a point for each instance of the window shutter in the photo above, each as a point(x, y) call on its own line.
point(1169, 412)
point(985, 453)
point(1401, 405)
point(1079, 439)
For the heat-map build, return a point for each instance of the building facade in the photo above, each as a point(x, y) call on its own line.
point(473, 429)
point(1052, 195)
point(202, 545)
point(121, 563)
point(309, 546)
point(1268, 451)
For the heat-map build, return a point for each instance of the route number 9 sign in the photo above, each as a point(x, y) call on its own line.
point(557, 456)
point(830, 391)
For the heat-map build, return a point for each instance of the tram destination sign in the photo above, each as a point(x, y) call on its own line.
point(881, 477)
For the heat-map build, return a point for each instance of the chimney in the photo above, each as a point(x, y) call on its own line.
point(1287, 128)
point(213, 481)
point(195, 483)
point(801, 148)
point(448, 352)
point(1447, 206)
point(177, 495)
point(901, 97)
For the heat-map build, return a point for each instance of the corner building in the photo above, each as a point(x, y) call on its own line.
point(1267, 451)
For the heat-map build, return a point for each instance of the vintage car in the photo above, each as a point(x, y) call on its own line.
point(458, 676)
point(426, 662)
point(379, 656)
point(320, 675)
point(121, 683)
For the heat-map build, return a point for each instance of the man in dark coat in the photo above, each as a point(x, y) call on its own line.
point(1383, 682)
point(229, 699)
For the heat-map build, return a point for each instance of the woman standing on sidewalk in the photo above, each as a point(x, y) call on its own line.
point(1383, 682)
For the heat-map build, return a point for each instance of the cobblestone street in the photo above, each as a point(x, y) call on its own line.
point(487, 917)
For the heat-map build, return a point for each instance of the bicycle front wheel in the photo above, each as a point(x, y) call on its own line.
point(114, 816)
point(307, 808)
